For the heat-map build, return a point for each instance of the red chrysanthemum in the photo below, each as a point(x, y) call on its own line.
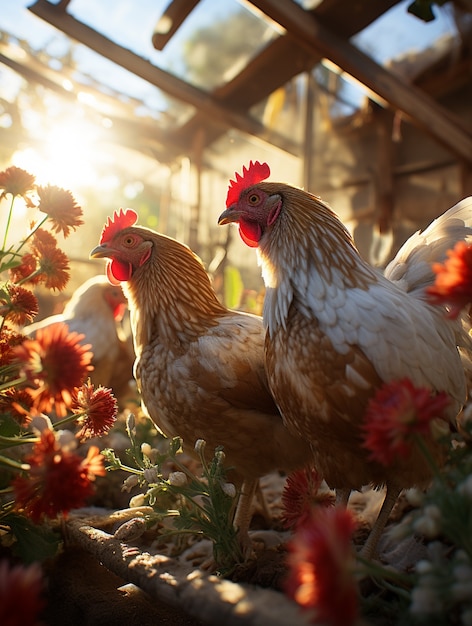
point(55, 363)
point(44, 263)
point(453, 285)
point(17, 403)
point(97, 408)
point(8, 340)
point(396, 414)
point(21, 589)
point(43, 239)
point(300, 494)
point(61, 208)
point(52, 263)
point(18, 304)
point(58, 480)
point(26, 270)
point(16, 181)
point(321, 563)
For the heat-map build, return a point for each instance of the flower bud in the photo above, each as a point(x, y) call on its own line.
point(200, 446)
point(146, 449)
point(229, 489)
point(177, 479)
point(220, 456)
point(151, 474)
point(138, 500)
point(129, 483)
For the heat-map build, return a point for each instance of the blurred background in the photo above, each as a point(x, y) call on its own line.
point(154, 105)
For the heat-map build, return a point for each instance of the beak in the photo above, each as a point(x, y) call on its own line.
point(100, 252)
point(230, 215)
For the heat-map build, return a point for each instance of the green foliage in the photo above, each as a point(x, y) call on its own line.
point(197, 505)
point(233, 286)
point(31, 542)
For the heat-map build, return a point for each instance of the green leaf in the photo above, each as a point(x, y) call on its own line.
point(33, 543)
point(234, 287)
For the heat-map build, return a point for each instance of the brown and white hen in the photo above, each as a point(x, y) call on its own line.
point(337, 328)
point(199, 366)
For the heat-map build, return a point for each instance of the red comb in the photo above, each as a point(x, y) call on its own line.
point(121, 219)
point(251, 176)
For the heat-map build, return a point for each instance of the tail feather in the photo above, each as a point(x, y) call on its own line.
point(412, 266)
point(411, 269)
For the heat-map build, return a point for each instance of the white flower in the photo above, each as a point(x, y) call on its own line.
point(462, 588)
point(465, 487)
point(429, 524)
point(415, 496)
point(425, 600)
point(424, 567)
point(177, 479)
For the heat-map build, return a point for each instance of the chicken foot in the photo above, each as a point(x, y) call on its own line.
point(368, 549)
point(242, 517)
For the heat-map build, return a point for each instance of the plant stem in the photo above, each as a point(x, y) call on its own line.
point(10, 213)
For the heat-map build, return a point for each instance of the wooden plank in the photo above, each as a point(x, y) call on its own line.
point(179, 89)
point(422, 110)
point(171, 20)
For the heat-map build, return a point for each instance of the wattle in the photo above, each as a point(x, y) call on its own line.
point(250, 233)
point(117, 271)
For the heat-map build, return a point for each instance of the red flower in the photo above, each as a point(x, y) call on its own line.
point(18, 403)
point(8, 340)
point(97, 407)
point(300, 494)
point(18, 304)
point(59, 480)
point(396, 414)
point(453, 286)
point(54, 363)
point(25, 271)
point(16, 181)
point(61, 208)
point(21, 590)
point(44, 263)
point(53, 264)
point(321, 566)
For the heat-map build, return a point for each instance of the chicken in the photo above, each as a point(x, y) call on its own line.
point(337, 329)
point(94, 310)
point(199, 366)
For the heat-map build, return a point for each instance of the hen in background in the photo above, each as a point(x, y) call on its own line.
point(95, 309)
point(337, 328)
point(199, 366)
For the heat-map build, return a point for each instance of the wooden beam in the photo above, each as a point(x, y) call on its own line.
point(202, 101)
point(171, 20)
point(422, 110)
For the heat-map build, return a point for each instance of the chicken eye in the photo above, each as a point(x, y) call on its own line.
point(129, 241)
point(253, 199)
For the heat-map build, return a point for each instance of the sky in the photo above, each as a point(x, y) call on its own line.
point(131, 23)
point(396, 32)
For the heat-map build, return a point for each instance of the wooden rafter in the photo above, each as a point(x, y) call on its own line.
point(420, 108)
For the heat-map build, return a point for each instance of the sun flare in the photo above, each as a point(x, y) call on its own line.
point(67, 157)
